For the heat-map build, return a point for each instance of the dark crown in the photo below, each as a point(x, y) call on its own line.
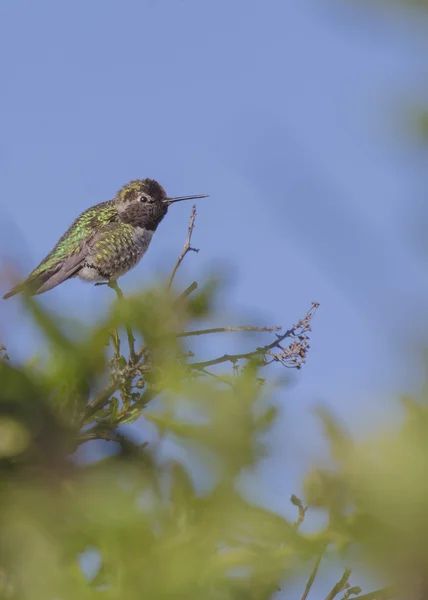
point(133, 190)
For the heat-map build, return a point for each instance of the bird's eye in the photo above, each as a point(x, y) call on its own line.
point(144, 199)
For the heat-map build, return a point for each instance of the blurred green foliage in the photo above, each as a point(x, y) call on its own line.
point(376, 495)
point(154, 531)
point(155, 534)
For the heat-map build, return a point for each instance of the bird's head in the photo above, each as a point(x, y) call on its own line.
point(144, 203)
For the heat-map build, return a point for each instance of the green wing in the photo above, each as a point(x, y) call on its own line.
point(69, 253)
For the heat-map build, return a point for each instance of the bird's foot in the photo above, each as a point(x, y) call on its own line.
point(113, 285)
point(102, 283)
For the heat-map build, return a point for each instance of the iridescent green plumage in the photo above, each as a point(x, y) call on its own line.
point(88, 223)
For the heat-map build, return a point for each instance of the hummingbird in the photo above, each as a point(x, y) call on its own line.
point(106, 240)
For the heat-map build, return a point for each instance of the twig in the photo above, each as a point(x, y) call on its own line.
point(314, 573)
point(225, 358)
point(186, 248)
point(108, 436)
point(131, 340)
point(136, 368)
point(340, 586)
point(116, 343)
point(100, 400)
point(225, 329)
point(192, 287)
point(302, 511)
point(103, 398)
point(293, 356)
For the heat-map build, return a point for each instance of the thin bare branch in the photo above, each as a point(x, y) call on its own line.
point(226, 329)
point(131, 340)
point(299, 347)
point(192, 287)
point(186, 248)
point(340, 586)
point(314, 573)
point(293, 356)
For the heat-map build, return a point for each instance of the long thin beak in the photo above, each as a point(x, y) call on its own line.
point(180, 198)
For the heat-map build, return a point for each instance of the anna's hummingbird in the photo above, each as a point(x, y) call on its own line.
point(106, 240)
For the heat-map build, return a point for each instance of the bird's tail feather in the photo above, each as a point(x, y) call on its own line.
point(30, 286)
point(13, 291)
point(42, 281)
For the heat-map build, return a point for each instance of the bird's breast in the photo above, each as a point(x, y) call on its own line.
point(143, 238)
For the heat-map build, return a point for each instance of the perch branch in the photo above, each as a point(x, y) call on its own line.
point(186, 248)
point(131, 340)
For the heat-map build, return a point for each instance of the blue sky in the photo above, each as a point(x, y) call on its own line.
point(293, 116)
